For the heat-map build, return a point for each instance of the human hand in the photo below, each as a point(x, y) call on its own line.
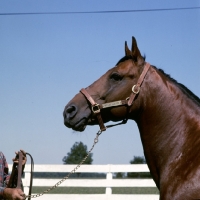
point(13, 194)
point(16, 159)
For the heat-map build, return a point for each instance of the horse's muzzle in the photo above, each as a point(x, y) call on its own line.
point(69, 113)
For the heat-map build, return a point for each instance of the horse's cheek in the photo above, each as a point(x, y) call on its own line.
point(120, 112)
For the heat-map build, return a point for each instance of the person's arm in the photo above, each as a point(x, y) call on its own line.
point(1, 192)
point(3, 173)
point(3, 183)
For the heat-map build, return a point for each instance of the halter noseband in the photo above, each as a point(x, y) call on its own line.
point(96, 108)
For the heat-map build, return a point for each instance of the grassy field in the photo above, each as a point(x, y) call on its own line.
point(82, 190)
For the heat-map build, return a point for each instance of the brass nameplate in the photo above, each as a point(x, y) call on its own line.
point(111, 104)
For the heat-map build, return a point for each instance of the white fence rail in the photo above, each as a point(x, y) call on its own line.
point(108, 183)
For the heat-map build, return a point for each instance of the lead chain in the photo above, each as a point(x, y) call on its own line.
point(66, 177)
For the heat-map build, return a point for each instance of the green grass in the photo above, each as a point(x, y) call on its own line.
point(95, 190)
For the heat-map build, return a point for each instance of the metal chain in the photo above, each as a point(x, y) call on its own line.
point(73, 171)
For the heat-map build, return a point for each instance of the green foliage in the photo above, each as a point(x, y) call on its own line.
point(76, 155)
point(119, 175)
point(138, 160)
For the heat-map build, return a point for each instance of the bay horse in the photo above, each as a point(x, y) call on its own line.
point(166, 112)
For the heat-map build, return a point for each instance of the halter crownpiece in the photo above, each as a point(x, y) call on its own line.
point(96, 108)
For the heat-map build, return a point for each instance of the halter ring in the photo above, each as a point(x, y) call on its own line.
point(136, 89)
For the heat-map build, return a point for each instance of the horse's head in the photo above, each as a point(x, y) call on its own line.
point(116, 84)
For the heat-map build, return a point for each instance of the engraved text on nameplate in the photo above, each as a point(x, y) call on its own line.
point(111, 104)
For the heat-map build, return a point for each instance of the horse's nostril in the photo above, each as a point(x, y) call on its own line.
point(70, 109)
point(70, 112)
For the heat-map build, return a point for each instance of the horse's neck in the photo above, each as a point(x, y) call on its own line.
point(163, 123)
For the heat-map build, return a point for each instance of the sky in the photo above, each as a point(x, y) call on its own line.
point(45, 59)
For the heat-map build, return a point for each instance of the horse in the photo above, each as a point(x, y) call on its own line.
point(166, 112)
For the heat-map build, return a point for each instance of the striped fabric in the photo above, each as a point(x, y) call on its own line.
point(4, 177)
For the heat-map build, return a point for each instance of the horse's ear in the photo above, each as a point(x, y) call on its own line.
point(134, 49)
point(127, 51)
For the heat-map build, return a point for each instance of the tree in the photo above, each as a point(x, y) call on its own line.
point(76, 155)
point(119, 175)
point(138, 160)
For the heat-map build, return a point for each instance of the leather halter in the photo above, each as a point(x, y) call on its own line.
point(96, 108)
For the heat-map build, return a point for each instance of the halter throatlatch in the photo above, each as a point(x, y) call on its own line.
point(96, 108)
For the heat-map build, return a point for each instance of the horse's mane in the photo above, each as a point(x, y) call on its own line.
point(183, 88)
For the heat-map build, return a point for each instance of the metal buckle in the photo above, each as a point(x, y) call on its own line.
point(96, 108)
point(136, 90)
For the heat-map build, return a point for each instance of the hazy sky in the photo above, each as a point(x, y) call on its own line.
point(47, 58)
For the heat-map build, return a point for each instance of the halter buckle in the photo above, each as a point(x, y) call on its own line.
point(96, 108)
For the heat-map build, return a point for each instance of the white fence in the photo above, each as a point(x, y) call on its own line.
point(108, 183)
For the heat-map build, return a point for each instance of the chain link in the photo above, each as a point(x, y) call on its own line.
point(73, 171)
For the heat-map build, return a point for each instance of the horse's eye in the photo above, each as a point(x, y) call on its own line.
point(116, 77)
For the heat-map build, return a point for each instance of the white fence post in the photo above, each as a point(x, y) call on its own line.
point(26, 182)
point(109, 177)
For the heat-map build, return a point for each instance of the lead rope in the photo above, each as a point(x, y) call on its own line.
point(31, 177)
point(66, 177)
